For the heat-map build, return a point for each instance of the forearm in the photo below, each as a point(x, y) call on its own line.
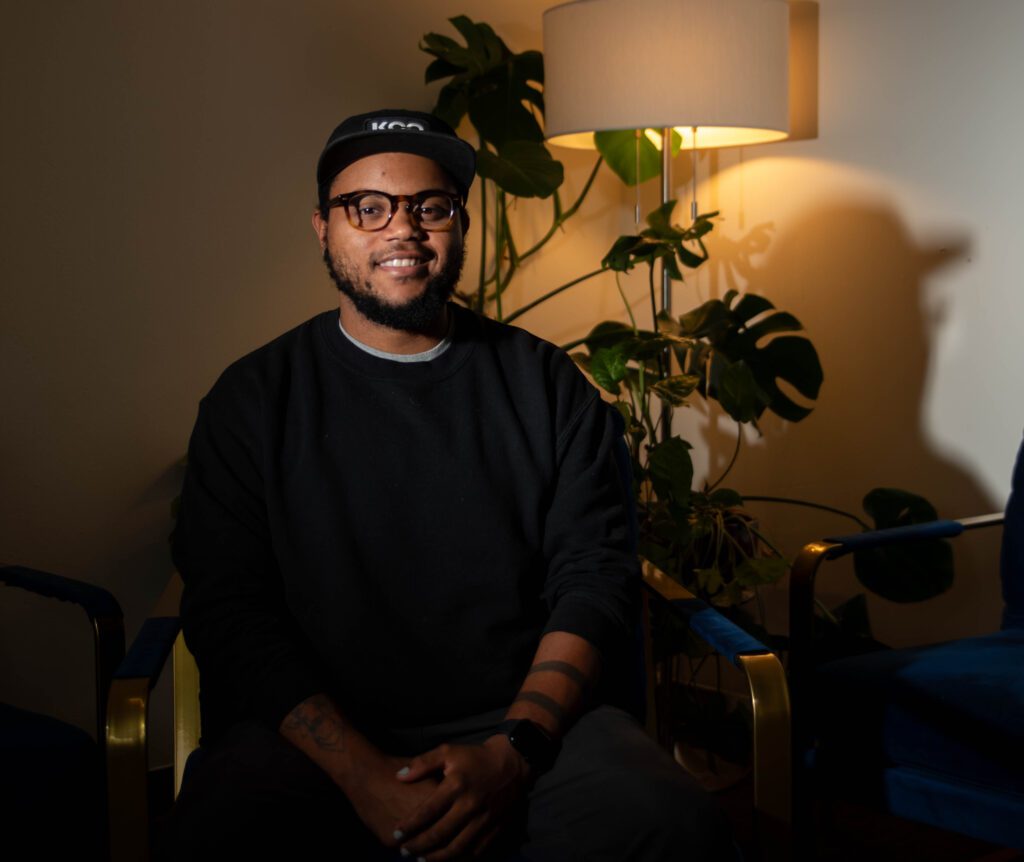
point(480, 785)
point(320, 731)
point(564, 671)
point(366, 775)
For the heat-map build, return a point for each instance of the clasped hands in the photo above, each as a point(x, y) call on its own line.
point(448, 803)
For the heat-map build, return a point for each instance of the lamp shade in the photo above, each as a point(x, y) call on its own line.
point(719, 65)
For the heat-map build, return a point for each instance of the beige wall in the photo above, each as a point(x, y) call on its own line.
point(159, 162)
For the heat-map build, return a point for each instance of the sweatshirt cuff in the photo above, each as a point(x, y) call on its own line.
point(281, 692)
point(602, 629)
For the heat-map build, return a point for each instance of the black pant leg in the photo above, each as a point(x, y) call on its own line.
point(255, 796)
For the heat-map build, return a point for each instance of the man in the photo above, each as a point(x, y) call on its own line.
point(409, 575)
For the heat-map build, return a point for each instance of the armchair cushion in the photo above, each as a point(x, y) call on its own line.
point(52, 789)
point(947, 711)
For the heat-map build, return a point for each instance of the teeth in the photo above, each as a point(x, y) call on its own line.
point(401, 261)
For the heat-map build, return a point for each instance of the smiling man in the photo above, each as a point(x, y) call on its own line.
point(410, 583)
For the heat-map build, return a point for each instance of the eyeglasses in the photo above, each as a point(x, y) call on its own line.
point(372, 210)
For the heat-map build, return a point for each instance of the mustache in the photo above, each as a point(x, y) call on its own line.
point(407, 249)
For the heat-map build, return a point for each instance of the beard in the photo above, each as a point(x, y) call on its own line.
point(419, 314)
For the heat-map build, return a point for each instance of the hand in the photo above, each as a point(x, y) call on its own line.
point(381, 800)
point(479, 786)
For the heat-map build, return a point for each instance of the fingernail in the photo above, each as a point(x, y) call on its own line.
point(398, 834)
point(404, 771)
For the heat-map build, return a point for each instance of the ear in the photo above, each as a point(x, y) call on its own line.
point(320, 228)
point(464, 216)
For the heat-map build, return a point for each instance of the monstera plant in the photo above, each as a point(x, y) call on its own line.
point(732, 352)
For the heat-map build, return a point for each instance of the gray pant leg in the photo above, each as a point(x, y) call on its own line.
point(614, 795)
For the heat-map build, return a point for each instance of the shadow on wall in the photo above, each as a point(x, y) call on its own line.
point(858, 282)
point(152, 552)
point(46, 656)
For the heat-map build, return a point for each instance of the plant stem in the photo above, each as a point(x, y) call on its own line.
point(482, 289)
point(625, 302)
point(561, 217)
point(735, 455)
point(551, 293)
point(632, 403)
point(788, 500)
point(654, 318)
point(510, 245)
point(499, 248)
point(826, 613)
point(762, 538)
point(654, 304)
point(645, 404)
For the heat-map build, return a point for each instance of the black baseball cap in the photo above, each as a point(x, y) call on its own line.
point(395, 131)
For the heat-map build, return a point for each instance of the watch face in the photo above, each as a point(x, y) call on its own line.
point(534, 744)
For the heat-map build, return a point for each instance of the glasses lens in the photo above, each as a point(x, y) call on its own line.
point(369, 212)
point(435, 211)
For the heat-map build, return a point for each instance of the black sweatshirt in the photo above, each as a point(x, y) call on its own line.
point(397, 535)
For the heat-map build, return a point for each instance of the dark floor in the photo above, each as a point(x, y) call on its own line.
point(850, 833)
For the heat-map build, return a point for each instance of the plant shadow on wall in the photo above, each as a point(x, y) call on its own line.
point(877, 292)
point(738, 355)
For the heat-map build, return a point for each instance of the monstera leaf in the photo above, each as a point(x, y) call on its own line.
point(909, 572)
point(619, 150)
point(521, 168)
point(499, 90)
point(739, 394)
point(752, 346)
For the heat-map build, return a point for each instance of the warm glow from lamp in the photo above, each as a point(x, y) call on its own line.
point(718, 65)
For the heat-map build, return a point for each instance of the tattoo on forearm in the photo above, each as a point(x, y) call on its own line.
point(544, 702)
point(315, 719)
point(563, 667)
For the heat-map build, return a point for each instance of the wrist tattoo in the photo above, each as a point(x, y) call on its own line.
point(562, 667)
point(313, 719)
point(544, 702)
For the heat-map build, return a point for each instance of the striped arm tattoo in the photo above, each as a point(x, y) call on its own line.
point(544, 702)
point(562, 667)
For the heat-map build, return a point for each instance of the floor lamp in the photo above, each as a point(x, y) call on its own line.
point(716, 71)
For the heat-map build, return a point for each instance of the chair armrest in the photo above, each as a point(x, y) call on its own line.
point(815, 553)
point(104, 614)
point(942, 529)
point(127, 719)
point(149, 651)
point(96, 601)
point(805, 569)
point(770, 704)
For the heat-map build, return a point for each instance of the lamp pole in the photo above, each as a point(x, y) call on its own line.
point(666, 279)
point(666, 193)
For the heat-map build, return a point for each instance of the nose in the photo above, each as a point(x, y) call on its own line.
point(403, 223)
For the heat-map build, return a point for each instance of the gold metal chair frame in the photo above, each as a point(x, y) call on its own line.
point(772, 752)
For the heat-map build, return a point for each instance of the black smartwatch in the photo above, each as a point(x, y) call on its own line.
point(531, 741)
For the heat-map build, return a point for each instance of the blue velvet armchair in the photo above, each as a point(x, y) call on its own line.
point(933, 734)
point(52, 776)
